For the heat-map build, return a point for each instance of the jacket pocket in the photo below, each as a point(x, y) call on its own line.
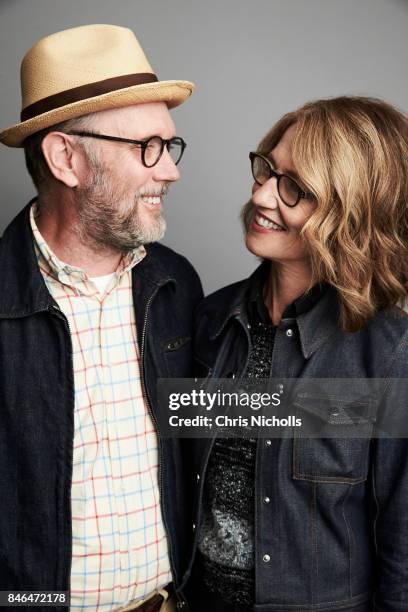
point(334, 446)
point(178, 357)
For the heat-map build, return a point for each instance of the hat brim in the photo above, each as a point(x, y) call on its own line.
point(171, 92)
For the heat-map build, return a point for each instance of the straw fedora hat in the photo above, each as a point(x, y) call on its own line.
point(83, 70)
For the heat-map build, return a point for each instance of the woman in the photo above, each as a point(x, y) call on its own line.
point(319, 524)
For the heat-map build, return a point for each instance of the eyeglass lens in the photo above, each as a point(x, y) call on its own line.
point(155, 146)
point(288, 189)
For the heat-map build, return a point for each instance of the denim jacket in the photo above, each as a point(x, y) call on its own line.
point(37, 406)
point(333, 532)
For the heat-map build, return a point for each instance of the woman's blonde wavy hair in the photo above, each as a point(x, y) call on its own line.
point(352, 153)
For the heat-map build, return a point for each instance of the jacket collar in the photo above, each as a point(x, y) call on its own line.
point(22, 288)
point(315, 326)
point(152, 269)
point(318, 324)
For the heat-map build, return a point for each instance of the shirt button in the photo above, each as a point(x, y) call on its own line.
point(248, 326)
point(266, 500)
point(289, 333)
point(266, 558)
point(193, 527)
point(198, 477)
point(268, 442)
point(280, 388)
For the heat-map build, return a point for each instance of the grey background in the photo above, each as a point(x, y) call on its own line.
point(251, 62)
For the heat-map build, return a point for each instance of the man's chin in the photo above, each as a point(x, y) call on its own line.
point(152, 232)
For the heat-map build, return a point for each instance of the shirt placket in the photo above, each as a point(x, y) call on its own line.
point(116, 489)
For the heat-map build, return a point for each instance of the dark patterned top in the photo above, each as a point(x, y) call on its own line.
point(226, 535)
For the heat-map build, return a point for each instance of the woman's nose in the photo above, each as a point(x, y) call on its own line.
point(266, 195)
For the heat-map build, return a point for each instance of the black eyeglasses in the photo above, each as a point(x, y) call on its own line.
point(289, 191)
point(152, 148)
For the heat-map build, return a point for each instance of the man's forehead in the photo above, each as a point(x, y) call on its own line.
point(137, 120)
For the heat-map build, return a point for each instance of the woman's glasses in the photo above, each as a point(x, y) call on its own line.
point(289, 191)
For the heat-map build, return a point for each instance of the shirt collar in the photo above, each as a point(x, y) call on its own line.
point(70, 275)
point(257, 309)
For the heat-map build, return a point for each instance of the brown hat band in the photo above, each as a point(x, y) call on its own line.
point(83, 92)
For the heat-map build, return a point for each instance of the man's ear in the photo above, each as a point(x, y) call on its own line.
point(61, 157)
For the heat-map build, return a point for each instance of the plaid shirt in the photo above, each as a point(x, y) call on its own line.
point(119, 549)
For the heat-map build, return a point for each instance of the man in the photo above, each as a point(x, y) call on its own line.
point(91, 314)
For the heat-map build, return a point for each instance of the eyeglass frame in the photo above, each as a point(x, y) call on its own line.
point(302, 194)
point(142, 143)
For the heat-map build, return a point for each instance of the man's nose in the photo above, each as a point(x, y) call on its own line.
point(166, 169)
point(266, 195)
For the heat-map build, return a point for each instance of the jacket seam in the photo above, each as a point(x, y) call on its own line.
point(318, 478)
point(328, 479)
point(326, 606)
point(377, 505)
point(315, 547)
point(349, 537)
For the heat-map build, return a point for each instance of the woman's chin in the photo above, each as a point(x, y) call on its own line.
point(256, 248)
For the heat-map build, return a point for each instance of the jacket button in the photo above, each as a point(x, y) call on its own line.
point(198, 477)
point(268, 442)
point(193, 527)
point(280, 388)
point(266, 500)
point(289, 333)
point(266, 558)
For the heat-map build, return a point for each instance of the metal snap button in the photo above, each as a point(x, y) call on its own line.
point(266, 500)
point(289, 333)
point(268, 442)
point(266, 558)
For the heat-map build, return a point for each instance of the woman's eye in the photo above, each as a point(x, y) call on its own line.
point(310, 197)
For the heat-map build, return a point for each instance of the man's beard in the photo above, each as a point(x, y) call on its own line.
point(109, 216)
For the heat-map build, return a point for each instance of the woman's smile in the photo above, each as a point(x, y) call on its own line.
point(264, 224)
